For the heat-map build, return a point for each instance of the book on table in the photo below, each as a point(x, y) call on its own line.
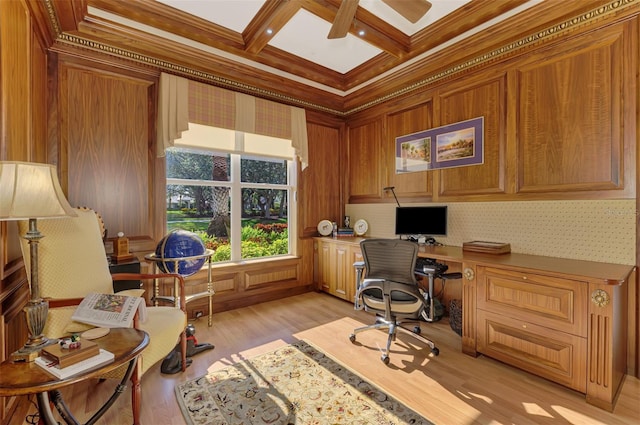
point(64, 357)
point(110, 310)
point(102, 358)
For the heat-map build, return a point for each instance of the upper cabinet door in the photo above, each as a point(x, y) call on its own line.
point(366, 167)
point(479, 95)
point(408, 186)
point(571, 106)
point(318, 188)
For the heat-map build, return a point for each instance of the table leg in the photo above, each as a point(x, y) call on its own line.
point(61, 407)
point(44, 409)
point(46, 414)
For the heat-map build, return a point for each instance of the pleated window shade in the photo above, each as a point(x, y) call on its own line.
point(219, 109)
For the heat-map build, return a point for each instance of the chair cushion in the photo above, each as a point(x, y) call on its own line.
point(164, 325)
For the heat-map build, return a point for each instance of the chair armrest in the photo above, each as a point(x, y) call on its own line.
point(144, 276)
point(359, 265)
point(63, 302)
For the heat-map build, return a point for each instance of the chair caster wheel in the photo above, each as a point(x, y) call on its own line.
point(385, 359)
point(435, 351)
point(417, 330)
point(352, 337)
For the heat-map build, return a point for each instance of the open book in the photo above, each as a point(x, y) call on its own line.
point(110, 310)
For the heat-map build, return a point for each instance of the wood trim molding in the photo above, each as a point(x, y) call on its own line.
point(361, 99)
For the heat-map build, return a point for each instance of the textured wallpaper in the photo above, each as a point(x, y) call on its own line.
point(585, 230)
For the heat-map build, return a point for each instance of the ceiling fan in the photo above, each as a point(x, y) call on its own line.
point(411, 10)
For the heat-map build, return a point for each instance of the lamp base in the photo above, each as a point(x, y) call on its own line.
point(29, 353)
point(35, 313)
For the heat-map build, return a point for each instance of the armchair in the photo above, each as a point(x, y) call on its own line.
point(73, 263)
point(389, 289)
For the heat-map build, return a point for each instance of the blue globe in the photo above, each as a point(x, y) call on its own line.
point(180, 244)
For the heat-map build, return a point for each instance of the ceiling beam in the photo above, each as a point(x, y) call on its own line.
point(377, 32)
point(273, 15)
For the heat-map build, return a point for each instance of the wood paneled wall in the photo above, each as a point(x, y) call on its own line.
point(23, 129)
point(559, 123)
point(106, 145)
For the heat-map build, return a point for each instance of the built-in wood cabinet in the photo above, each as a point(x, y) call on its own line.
point(320, 191)
point(562, 319)
point(336, 273)
point(534, 321)
point(559, 123)
point(481, 96)
point(365, 179)
point(570, 101)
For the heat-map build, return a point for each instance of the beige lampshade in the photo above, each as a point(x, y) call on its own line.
point(31, 190)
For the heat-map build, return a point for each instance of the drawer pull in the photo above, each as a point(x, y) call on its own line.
point(524, 326)
point(600, 297)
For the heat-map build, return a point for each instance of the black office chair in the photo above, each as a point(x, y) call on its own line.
point(389, 289)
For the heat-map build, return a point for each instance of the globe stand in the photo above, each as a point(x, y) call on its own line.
point(174, 263)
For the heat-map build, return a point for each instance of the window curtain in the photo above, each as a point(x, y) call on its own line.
point(183, 101)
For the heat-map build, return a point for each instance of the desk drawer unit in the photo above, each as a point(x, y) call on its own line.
point(535, 322)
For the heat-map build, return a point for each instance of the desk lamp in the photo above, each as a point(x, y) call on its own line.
point(29, 191)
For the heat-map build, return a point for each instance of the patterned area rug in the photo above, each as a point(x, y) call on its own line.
point(295, 384)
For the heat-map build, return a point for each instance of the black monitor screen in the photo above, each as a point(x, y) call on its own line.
point(426, 221)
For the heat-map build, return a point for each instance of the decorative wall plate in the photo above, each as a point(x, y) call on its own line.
point(361, 227)
point(325, 227)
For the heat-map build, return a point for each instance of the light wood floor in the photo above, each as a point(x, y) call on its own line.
point(450, 389)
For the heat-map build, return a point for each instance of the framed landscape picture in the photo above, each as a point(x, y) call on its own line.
point(453, 145)
point(459, 144)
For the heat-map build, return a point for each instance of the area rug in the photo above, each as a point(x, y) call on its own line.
point(295, 384)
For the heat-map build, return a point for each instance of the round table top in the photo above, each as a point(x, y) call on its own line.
point(22, 378)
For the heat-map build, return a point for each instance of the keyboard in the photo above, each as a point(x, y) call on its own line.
point(429, 266)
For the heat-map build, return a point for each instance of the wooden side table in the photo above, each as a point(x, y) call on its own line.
point(25, 378)
point(190, 297)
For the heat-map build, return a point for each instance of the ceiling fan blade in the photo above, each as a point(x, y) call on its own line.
point(411, 10)
point(344, 19)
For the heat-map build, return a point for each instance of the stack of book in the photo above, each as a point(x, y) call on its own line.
point(64, 362)
point(344, 232)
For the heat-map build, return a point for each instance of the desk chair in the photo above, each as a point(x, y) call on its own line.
point(389, 289)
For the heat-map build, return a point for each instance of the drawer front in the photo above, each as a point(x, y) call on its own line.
point(555, 303)
point(557, 356)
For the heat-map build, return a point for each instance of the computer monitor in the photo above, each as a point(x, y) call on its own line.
point(421, 221)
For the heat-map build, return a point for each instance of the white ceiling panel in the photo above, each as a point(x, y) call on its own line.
point(232, 14)
point(305, 35)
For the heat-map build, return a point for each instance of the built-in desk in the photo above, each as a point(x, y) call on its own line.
point(562, 319)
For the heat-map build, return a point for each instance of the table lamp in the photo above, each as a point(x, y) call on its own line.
point(31, 191)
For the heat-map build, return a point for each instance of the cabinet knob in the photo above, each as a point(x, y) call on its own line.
point(600, 298)
point(468, 273)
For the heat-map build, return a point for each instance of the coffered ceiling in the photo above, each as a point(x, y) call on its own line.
point(279, 48)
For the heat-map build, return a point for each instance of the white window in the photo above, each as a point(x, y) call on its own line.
point(235, 190)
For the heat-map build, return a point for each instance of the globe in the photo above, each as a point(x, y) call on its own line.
point(180, 244)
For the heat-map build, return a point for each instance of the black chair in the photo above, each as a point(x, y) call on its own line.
point(389, 289)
